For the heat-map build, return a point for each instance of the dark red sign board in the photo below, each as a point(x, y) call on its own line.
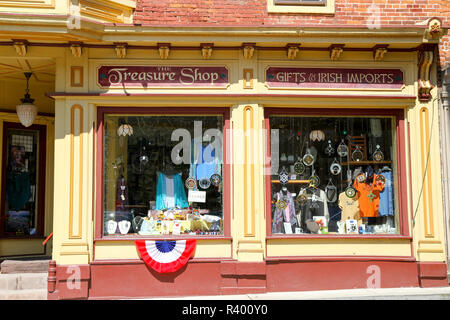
point(162, 76)
point(281, 77)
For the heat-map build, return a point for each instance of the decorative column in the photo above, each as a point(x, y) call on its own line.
point(426, 175)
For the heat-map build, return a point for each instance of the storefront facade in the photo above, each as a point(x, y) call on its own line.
point(323, 169)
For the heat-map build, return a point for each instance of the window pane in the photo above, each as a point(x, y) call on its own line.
point(333, 175)
point(149, 163)
point(21, 182)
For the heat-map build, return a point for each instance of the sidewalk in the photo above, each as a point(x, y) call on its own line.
point(441, 293)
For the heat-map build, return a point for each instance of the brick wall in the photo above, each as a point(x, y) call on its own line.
point(254, 12)
point(444, 51)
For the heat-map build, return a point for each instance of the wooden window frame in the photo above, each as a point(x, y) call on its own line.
point(400, 144)
point(299, 3)
point(41, 171)
point(164, 110)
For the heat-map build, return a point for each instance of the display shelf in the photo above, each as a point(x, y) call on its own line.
point(293, 181)
point(364, 162)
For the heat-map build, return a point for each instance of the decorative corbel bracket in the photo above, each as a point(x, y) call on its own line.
point(336, 51)
point(379, 51)
point(248, 50)
point(425, 55)
point(292, 50)
point(76, 48)
point(121, 49)
point(435, 30)
point(164, 50)
point(20, 46)
point(207, 49)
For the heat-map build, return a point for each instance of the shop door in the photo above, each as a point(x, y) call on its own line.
point(23, 186)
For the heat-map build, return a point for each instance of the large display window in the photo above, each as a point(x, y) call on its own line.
point(163, 173)
point(334, 173)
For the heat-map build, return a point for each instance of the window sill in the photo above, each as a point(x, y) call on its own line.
point(133, 238)
point(306, 9)
point(339, 236)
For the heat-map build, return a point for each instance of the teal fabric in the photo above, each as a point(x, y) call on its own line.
point(18, 190)
point(179, 193)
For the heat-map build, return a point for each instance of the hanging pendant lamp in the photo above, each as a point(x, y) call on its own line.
point(125, 130)
point(26, 111)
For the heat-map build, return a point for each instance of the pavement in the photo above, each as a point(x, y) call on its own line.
point(413, 293)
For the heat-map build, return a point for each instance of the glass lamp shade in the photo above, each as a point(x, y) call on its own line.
point(27, 113)
point(125, 130)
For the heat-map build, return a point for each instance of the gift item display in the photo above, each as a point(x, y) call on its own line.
point(334, 175)
point(165, 177)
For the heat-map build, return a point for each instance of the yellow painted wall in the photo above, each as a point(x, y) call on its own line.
point(248, 212)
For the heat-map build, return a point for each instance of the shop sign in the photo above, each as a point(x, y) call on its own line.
point(281, 77)
point(162, 76)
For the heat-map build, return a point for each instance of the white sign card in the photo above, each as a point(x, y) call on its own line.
point(176, 228)
point(287, 228)
point(351, 226)
point(197, 196)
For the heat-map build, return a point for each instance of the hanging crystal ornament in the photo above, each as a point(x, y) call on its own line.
point(350, 192)
point(357, 154)
point(329, 150)
point(342, 149)
point(308, 158)
point(284, 176)
point(335, 167)
point(314, 179)
point(204, 183)
point(302, 199)
point(215, 179)
point(361, 177)
point(378, 155)
point(299, 167)
point(331, 191)
point(190, 183)
point(281, 204)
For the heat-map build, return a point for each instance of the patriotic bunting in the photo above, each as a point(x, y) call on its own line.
point(165, 256)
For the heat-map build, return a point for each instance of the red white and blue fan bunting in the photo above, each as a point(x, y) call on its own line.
point(165, 256)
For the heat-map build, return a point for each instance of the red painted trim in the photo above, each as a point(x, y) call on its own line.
point(401, 179)
point(94, 153)
point(41, 177)
point(432, 274)
point(139, 261)
point(101, 111)
point(131, 278)
point(99, 177)
point(334, 275)
point(338, 258)
point(168, 237)
point(267, 167)
point(228, 95)
point(338, 236)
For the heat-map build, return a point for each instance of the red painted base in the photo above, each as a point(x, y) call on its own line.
point(133, 279)
point(432, 274)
